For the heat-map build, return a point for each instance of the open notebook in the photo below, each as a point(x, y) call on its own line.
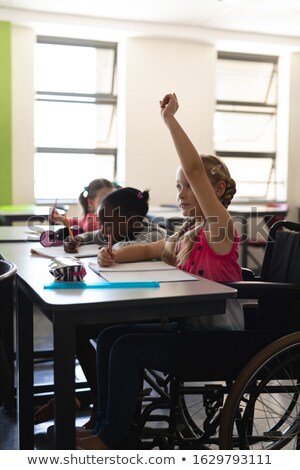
point(84, 251)
point(142, 271)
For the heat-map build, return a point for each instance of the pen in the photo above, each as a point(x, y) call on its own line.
point(101, 285)
point(68, 226)
point(52, 212)
point(109, 245)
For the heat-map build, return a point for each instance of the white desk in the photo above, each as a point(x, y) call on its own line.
point(70, 308)
point(27, 213)
point(21, 233)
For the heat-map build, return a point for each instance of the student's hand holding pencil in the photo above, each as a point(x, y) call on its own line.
point(71, 243)
point(56, 218)
point(106, 255)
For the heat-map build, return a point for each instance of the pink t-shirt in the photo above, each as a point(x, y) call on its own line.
point(89, 223)
point(204, 262)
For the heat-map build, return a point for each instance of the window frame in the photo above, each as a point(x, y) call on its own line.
point(95, 98)
point(225, 55)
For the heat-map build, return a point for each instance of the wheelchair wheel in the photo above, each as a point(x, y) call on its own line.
point(262, 410)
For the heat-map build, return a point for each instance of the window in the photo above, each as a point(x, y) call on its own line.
point(75, 116)
point(245, 122)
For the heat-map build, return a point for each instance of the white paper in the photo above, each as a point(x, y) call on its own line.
point(142, 271)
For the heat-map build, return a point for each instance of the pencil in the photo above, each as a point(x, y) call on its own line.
point(109, 245)
point(53, 209)
point(68, 226)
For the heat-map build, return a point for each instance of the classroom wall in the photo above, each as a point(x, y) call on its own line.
point(294, 139)
point(5, 114)
point(153, 68)
point(23, 40)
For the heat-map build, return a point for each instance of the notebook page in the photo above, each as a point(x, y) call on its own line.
point(168, 275)
point(141, 271)
point(136, 266)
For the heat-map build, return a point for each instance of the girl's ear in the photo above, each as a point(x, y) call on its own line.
point(220, 189)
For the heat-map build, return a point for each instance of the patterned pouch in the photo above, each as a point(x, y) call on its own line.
point(67, 268)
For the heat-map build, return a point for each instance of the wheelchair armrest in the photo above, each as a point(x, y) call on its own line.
point(261, 289)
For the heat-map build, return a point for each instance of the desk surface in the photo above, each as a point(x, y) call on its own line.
point(27, 209)
point(71, 308)
point(22, 233)
point(246, 210)
point(35, 272)
point(23, 212)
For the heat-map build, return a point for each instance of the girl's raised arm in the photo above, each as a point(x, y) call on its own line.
point(216, 215)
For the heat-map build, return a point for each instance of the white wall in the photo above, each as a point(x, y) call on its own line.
point(294, 139)
point(23, 40)
point(153, 68)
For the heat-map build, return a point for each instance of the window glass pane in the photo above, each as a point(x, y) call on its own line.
point(75, 172)
point(72, 125)
point(254, 132)
point(254, 177)
point(240, 80)
point(73, 69)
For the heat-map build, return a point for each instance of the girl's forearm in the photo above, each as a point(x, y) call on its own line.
point(139, 252)
point(188, 155)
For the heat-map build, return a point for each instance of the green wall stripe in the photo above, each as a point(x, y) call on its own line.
point(5, 114)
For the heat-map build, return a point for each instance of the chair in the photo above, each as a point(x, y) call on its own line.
point(241, 389)
point(260, 243)
point(7, 276)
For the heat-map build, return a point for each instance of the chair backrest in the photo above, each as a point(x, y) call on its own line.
point(173, 224)
point(271, 219)
point(281, 264)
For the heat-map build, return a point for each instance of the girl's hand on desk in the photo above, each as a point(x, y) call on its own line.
point(106, 257)
point(71, 244)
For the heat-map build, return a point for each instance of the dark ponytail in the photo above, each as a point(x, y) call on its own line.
point(90, 192)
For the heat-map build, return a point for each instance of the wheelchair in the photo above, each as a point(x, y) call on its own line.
point(241, 389)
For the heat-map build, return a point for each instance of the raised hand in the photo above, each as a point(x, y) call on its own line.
point(169, 105)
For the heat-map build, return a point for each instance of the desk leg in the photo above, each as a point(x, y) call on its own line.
point(64, 381)
point(24, 316)
point(7, 336)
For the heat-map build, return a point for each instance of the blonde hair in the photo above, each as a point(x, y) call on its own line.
point(187, 235)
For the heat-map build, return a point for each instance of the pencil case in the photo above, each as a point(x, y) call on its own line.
point(67, 268)
point(52, 238)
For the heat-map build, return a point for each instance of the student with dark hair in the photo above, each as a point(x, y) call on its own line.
point(90, 199)
point(122, 216)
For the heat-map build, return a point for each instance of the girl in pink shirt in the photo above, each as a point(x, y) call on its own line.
point(90, 199)
point(206, 245)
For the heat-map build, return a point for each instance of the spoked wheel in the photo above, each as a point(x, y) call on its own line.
point(199, 415)
point(262, 410)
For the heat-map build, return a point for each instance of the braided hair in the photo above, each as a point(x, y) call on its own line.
point(188, 233)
